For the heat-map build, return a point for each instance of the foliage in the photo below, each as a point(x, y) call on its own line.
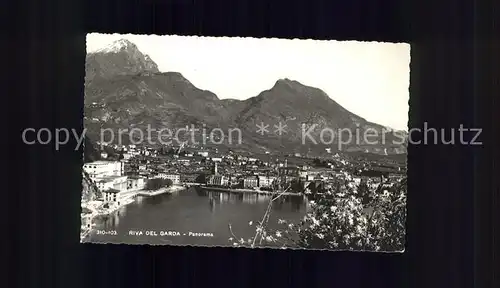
point(202, 178)
point(319, 163)
point(90, 153)
point(86, 210)
point(347, 217)
point(89, 189)
point(157, 183)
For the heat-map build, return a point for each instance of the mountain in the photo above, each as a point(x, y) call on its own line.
point(91, 153)
point(122, 57)
point(124, 89)
point(309, 111)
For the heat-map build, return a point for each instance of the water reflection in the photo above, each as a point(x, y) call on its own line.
point(212, 205)
point(140, 200)
point(198, 210)
point(216, 198)
point(156, 200)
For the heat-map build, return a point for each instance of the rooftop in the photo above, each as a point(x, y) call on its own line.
point(100, 162)
point(107, 178)
point(135, 177)
point(289, 167)
point(111, 190)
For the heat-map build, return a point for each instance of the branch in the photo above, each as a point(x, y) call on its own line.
point(231, 231)
point(266, 216)
point(285, 237)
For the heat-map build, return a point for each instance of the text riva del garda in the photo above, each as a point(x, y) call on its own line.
point(168, 233)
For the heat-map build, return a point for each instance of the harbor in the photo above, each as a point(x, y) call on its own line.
point(101, 209)
point(172, 189)
point(196, 210)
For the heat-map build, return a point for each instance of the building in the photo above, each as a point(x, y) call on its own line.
point(396, 176)
point(217, 180)
point(203, 153)
point(145, 174)
point(233, 181)
point(99, 169)
point(288, 171)
point(214, 169)
point(302, 174)
point(320, 173)
point(188, 178)
point(112, 182)
point(175, 178)
point(251, 182)
point(111, 195)
point(183, 161)
point(266, 181)
point(287, 174)
point(136, 183)
point(373, 173)
point(86, 220)
point(104, 184)
point(316, 177)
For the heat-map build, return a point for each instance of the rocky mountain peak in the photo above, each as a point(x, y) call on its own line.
point(132, 91)
point(118, 46)
point(287, 83)
point(121, 57)
point(293, 90)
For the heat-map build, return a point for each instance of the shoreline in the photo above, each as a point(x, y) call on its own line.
point(99, 212)
point(170, 190)
point(97, 216)
point(232, 190)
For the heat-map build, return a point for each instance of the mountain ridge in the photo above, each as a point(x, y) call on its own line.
point(125, 88)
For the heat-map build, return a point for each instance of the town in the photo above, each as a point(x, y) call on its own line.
point(124, 172)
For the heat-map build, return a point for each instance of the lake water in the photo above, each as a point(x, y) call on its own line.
point(196, 211)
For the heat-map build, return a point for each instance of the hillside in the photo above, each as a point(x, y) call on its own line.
point(124, 89)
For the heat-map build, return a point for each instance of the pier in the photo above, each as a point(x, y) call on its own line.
point(171, 189)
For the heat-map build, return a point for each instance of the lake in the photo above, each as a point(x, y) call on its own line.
point(196, 217)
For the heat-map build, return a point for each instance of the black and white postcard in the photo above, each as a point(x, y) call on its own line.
point(245, 142)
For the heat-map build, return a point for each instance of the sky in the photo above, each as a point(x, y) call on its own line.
point(370, 79)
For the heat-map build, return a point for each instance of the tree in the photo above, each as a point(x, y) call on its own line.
point(339, 220)
point(202, 178)
point(158, 183)
point(364, 193)
point(91, 154)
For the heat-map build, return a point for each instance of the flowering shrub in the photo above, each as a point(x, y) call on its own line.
point(348, 216)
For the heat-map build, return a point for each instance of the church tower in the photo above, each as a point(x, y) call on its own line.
point(214, 172)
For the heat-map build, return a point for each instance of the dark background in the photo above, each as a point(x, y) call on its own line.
point(448, 244)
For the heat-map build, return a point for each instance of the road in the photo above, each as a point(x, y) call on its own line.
point(130, 193)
